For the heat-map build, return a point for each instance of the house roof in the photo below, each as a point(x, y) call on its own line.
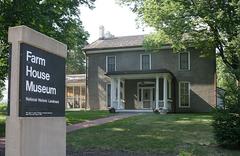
point(116, 42)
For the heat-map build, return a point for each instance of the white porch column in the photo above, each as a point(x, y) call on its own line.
point(165, 92)
point(113, 92)
point(119, 91)
point(157, 92)
point(123, 89)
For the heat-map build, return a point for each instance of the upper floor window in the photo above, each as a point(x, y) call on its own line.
point(184, 94)
point(145, 61)
point(110, 63)
point(184, 61)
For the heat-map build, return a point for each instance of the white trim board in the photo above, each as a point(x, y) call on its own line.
point(110, 50)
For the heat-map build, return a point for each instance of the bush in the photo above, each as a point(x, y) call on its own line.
point(3, 107)
point(227, 128)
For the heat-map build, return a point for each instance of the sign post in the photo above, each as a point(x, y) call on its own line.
point(36, 123)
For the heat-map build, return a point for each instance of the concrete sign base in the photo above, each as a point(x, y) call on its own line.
point(32, 136)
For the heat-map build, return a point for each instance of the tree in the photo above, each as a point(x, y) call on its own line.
point(204, 24)
point(2, 88)
point(56, 18)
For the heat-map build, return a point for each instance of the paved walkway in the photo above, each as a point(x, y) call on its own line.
point(100, 121)
point(86, 124)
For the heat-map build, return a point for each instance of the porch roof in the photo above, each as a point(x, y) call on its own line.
point(134, 72)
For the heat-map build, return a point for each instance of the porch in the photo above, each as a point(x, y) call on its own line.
point(141, 92)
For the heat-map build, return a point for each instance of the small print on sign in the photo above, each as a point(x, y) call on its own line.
point(42, 88)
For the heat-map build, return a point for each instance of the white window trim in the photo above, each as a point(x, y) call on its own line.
point(107, 62)
point(179, 94)
point(150, 61)
point(107, 94)
point(189, 61)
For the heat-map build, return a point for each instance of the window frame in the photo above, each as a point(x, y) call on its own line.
point(179, 61)
point(107, 57)
point(150, 61)
point(179, 94)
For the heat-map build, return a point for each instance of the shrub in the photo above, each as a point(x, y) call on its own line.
point(227, 128)
point(3, 107)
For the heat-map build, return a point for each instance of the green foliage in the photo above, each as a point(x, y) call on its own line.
point(224, 77)
point(204, 24)
point(1, 90)
point(227, 128)
point(2, 124)
point(227, 81)
point(156, 40)
point(56, 18)
point(3, 62)
point(3, 108)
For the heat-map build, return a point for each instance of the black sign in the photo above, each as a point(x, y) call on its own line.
point(42, 83)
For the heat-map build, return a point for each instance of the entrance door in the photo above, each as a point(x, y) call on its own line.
point(147, 100)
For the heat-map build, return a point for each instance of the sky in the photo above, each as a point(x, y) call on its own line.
point(118, 20)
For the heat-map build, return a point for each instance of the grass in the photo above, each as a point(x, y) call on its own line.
point(73, 117)
point(172, 134)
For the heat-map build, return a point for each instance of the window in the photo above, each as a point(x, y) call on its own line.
point(184, 61)
point(184, 94)
point(109, 95)
point(83, 90)
point(145, 61)
point(110, 63)
point(73, 98)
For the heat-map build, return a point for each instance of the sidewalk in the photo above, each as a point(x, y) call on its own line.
point(100, 121)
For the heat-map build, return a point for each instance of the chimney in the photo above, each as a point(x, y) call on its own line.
point(101, 32)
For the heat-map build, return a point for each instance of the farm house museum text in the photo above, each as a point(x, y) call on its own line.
point(33, 73)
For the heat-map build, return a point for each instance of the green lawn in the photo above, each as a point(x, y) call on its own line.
point(172, 134)
point(73, 117)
